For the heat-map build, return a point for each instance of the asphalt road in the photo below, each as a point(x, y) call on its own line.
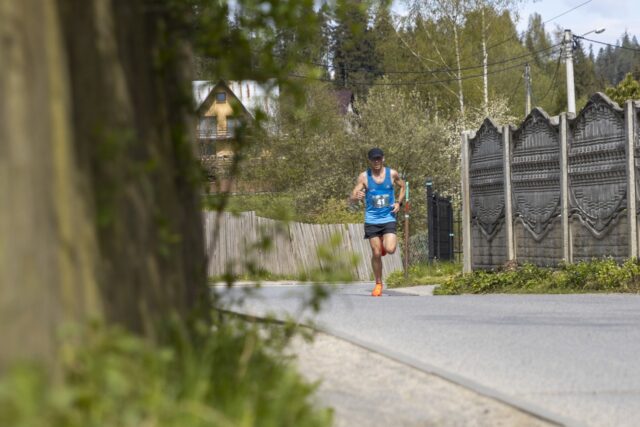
point(572, 358)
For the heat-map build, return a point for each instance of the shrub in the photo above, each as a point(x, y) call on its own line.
point(336, 211)
point(599, 275)
point(231, 373)
point(424, 273)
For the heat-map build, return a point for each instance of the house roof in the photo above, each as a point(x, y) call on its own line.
point(251, 94)
point(201, 90)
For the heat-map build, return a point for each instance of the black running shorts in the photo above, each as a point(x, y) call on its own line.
point(379, 230)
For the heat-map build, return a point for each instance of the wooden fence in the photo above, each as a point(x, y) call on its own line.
point(294, 245)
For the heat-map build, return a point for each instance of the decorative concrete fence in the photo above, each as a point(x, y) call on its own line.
point(236, 244)
point(555, 189)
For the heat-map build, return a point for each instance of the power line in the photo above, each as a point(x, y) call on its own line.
point(437, 70)
point(515, 89)
point(568, 11)
point(553, 80)
point(609, 44)
point(419, 83)
point(545, 22)
point(449, 69)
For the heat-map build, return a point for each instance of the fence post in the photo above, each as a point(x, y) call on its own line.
point(508, 209)
point(430, 231)
point(466, 205)
point(451, 230)
point(631, 179)
point(438, 232)
point(564, 188)
point(406, 232)
point(458, 232)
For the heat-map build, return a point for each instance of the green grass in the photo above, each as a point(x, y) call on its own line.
point(597, 276)
point(433, 273)
point(227, 373)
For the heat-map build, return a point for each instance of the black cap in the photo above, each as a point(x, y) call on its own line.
point(375, 152)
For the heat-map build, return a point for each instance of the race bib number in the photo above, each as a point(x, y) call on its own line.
point(380, 201)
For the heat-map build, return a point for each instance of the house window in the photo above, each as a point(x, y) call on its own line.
point(221, 97)
point(232, 126)
point(208, 127)
point(207, 148)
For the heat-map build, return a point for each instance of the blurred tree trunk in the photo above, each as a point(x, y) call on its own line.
point(99, 210)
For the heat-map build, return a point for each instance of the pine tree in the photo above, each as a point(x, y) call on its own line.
point(614, 63)
point(584, 73)
point(353, 49)
point(537, 40)
point(385, 42)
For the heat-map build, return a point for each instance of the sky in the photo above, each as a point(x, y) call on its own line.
point(615, 16)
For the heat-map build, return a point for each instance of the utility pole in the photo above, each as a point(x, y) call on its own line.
point(527, 88)
point(571, 91)
point(568, 50)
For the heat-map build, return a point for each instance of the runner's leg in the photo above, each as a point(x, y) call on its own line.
point(390, 242)
point(376, 257)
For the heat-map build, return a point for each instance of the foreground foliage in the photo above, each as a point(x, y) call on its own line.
point(603, 275)
point(230, 373)
point(425, 273)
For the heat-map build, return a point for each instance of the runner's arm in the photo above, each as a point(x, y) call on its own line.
point(358, 190)
point(395, 176)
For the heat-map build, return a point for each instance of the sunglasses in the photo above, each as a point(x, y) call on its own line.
point(376, 159)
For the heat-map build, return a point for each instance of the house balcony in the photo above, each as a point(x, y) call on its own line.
point(216, 134)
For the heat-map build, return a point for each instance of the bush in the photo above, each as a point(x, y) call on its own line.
point(275, 205)
point(230, 373)
point(336, 211)
point(424, 273)
point(601, 275)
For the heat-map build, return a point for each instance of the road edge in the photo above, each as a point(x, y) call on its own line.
point(461, 381)
point(514, 402)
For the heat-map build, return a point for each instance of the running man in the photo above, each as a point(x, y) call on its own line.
point(376, 187)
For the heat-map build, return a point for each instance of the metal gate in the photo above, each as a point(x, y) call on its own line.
point(439, 224)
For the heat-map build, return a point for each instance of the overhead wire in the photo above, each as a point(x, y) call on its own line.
point(449, 69)
point(608, 44)
point(419, 83)
point(553, 80)
point(441, 70)
point(515, 89)
point(545, 22)
point(328, 66)
point(474, 67)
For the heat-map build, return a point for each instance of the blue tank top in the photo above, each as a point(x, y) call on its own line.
point(379, 200)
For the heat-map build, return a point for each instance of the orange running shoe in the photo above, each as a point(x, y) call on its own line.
point(377, 291)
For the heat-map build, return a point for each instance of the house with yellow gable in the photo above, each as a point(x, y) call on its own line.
point(223, 107)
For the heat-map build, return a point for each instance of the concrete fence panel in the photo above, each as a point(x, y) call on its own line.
point(553, 189)
point(486, 182)
point(597, 181)
point(536, 191)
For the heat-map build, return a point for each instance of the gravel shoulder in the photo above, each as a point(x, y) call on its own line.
point(368, 389)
